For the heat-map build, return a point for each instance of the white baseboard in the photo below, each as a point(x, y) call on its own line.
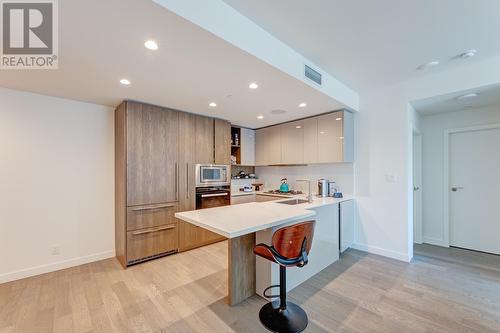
point(435, 241)
point(47, 268)
point(382, 252)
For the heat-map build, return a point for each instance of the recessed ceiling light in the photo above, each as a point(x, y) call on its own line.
point(298, 127)
point(337, 119)
point(467, 54)
point(151, 44)
point(212, 105)
point(125, 82)
point(428, 65)
point(253, 85)
point(341, 138)
point(321, 132)
point(467, 96)
point(302, 105)
point(260, 117)
point(278, 111)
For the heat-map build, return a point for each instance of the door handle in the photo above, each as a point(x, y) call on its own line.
point(416, 188)
point(456, 188)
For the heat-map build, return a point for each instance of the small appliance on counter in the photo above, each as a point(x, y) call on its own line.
point(284, 188)
point(322, 188)
point(333, 190)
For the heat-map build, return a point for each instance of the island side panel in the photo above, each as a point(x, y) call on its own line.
point(241, 268)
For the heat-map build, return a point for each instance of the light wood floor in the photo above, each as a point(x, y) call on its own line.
point(442, 290)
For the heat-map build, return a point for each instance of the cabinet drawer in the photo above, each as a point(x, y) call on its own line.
point(148, 216)
point(149, 242)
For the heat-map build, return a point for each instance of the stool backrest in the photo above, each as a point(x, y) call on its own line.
point(287, 241)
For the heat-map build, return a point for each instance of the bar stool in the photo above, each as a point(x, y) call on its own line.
point(290, 247)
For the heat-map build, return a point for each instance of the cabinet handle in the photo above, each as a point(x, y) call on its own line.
point(176, 181)
point(137, 209)
point(187, 181)
point(142, 232)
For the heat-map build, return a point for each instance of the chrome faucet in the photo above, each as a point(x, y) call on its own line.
point(309, 195)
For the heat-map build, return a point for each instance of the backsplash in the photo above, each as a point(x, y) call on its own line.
point(342, 173)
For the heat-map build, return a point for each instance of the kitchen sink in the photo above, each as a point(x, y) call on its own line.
point(293, 202)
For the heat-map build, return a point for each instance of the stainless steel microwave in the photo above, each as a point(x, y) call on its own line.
point(212, 175)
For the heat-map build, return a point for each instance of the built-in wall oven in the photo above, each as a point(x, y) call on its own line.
point(213, 175)
point(215, 196)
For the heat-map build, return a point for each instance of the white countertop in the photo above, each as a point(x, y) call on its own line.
point(237, 220)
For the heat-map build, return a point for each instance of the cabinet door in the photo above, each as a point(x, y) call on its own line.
point(274, 146)
point(292, 142)
point(347, 213)
point(204, 140)
point(261, 146)
point(187, 161)
point(247, 146)
point(330, 136)
point(152, 134)
point(310, 147)
point(222, 141)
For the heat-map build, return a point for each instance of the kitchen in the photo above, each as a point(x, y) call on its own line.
point(231, 166)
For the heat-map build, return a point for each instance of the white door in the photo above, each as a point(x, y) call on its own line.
point(474, 193)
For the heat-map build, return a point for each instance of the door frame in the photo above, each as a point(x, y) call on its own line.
point(417, 209)
point(446, 171)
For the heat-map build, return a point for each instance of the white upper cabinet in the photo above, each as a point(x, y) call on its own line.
point(247, 146)
point(310, 146)
point(330, 136)
point(324, 139)
point(292, 142)
point(268, 146)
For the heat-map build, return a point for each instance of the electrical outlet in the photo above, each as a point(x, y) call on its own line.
point(56, 250)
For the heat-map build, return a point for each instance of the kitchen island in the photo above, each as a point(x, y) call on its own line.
point(247, 224)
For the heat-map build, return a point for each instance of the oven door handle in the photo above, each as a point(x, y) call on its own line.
point(214, 195)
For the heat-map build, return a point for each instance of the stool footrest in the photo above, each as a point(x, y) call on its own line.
point(269, 288)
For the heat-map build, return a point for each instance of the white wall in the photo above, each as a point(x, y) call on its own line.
point(383, 153)
point(342, 173)
point(56, 183)
point(433, 129)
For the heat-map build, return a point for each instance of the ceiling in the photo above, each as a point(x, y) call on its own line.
point(102, 41)
point(366, 44)
point(487, 96)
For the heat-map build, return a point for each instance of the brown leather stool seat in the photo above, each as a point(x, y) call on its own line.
point(290, 247)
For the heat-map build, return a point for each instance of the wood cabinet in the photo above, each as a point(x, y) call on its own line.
point(156, 150)
point(292, 142)
point(152, 134)
point(222, 141)
point(327, 138)
point(204, 140)
point(196, 146)
point(146, 178)
point(148, 243)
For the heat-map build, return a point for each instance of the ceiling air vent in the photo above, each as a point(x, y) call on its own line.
point(312, 74)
